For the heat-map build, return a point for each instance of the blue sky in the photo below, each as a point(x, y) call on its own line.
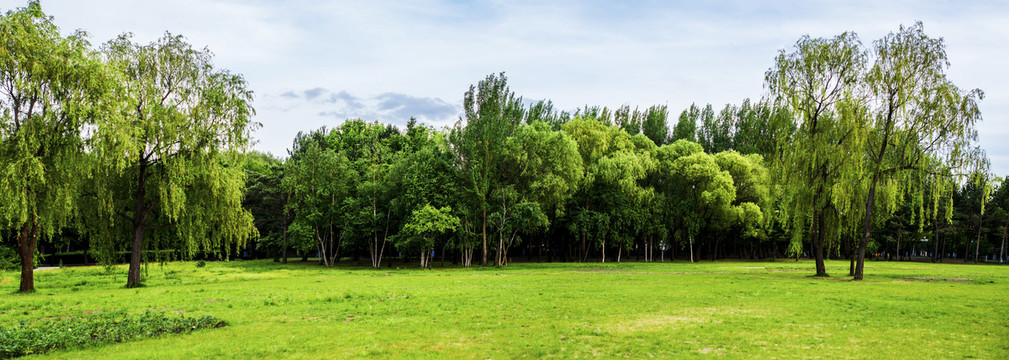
point(316, 63)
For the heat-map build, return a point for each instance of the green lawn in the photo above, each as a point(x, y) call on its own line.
point(725, 309)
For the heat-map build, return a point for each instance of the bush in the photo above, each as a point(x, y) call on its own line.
point(40, 336)
point(9, 259)
point(201, 263)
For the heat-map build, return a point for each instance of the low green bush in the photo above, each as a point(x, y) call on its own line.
point(39, 336)
point(9, 259)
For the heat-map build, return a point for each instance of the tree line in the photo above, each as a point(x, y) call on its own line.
point(143, 148)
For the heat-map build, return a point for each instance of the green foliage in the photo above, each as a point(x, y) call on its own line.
point(422, 229)
point(321, 182)
point(53, 88)
point(715, 132)
point(817, 81)
point(41, 336)
point(492, 113)
point(8, 259)
point(169, 168)
point(656, 126)
point(686, 125)
point(266, 199)
point(545, 165)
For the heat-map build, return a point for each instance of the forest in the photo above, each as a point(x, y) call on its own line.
point(142, 152)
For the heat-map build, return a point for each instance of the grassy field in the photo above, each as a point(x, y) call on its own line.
point(723, 309)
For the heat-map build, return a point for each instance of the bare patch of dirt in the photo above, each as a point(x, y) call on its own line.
point(936, 279)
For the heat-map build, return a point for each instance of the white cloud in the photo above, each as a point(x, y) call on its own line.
point(573, 52)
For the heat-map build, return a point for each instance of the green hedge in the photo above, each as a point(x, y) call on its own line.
point(36, 337)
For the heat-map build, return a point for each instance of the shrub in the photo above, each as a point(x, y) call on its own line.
point(201, 263)
point(36, 337)
point(9, 259)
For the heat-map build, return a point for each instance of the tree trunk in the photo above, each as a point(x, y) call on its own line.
point(977, 248)
point(935, 238)
point(140, 213)
point(27, 242)
point(648, 249)
point(619, 251)
point(604, 251)
point(483, 262)
point(443, 254)
point(133, 279)
point(1005, 232)
point(283, 251)
point(817, 243)
point(691, 241)
point(850, 245)
point(942, 253)
point(867, 226)
point(821, 267)
point(899, 256)
point(499, 254)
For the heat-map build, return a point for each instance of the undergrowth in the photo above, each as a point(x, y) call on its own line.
point(43, 335)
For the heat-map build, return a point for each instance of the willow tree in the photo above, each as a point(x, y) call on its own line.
point(492, 113)
point(919, 114)
point(51, 87)
point(818, 81)
point(185, 126)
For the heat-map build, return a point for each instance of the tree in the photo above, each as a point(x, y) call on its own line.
point(492, 112)
point(542, 170)
point(321, 181)
point(699, 192)
point(919, 114)
point(612, 169)
point(424, 177)
point(817, 80)
point(181, 142)
point(751, 182)
point(52, 89)
point(715, 133)
point(370, 149)
point(686, 125)
point(426, 223)
point(762, 128)
point(655, 126)
point(1000, 211)
point(266, 200)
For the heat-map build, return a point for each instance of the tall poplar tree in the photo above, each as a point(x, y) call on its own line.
point(492, 112)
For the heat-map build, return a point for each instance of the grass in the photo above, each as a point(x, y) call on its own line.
point(726, 309)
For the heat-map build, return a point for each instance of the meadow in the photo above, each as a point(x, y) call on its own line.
point(538, 310)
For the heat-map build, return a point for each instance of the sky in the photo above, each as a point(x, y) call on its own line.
point(316, 63)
